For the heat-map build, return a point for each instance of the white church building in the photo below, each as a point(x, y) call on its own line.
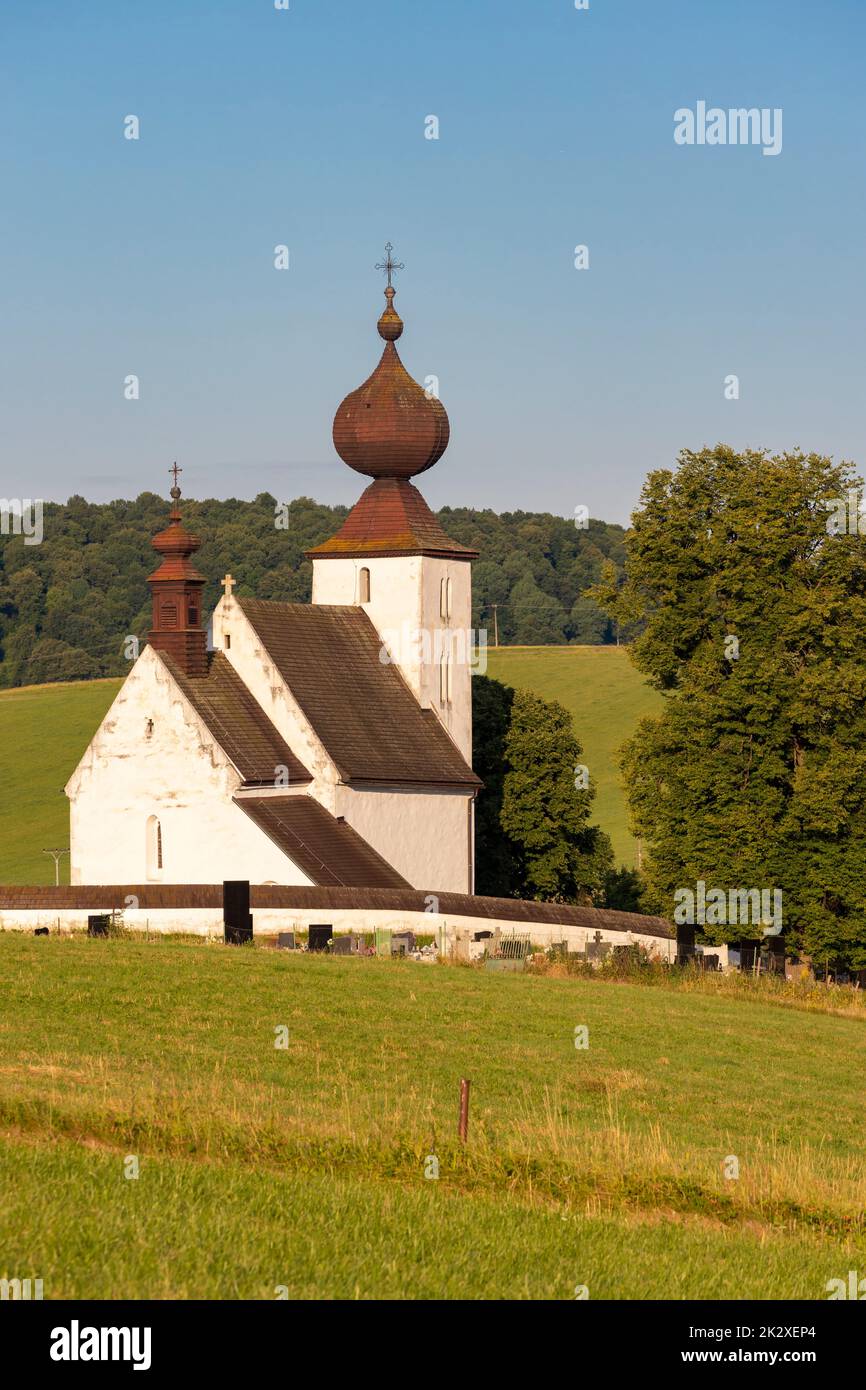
point(319, 751)
point(324, 744)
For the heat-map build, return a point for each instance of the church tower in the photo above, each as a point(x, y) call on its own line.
point(177, 587)
point(391, 556)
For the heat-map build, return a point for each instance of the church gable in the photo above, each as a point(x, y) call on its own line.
point(374, 729)
point(239, 724)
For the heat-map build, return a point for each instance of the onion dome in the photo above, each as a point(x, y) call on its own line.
point(175, 544)
point(177, 590)
point(391, 427)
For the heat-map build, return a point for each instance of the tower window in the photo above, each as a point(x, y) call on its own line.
point(153, 847)
point(445, 598)
point(148, 729)
point(445, 679)
point(192, 615)
point(227, 640)
point(364, 586)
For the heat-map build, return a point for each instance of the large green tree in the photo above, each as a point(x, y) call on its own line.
point(753, 622)
point(533, 832)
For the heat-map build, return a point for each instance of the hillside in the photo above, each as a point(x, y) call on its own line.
point(305, 1167)
point(44, 730)
point(68, 604)
point(606, 697)
point(50, 726)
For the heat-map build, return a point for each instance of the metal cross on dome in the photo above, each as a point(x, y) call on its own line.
point(389, 265)
point(175, 471)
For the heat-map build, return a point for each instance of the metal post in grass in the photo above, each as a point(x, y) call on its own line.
point(463, 1127)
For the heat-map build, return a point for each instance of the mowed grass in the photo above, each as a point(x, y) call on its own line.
point(44, 730)
point(304, 1167)
point(606, 697)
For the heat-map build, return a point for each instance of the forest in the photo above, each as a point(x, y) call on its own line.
point(69, 604)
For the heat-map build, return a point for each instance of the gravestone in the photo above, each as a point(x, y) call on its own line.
point(286, 941)
point(237, 918)
point(98, 923)
point(597, 950)
point(320, 935)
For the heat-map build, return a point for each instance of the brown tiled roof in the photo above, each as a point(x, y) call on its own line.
point(363, 711)
point(329, 851)
point(152, 897)
point(391, 518)
point(237, 722)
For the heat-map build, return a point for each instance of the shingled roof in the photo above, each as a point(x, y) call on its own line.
point(329, 851)
point(237, 722)
point(361, 708)
point(391, 518)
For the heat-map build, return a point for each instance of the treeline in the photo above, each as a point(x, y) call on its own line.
point(68, 604)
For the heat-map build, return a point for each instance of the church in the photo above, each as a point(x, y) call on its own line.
point(325, 744)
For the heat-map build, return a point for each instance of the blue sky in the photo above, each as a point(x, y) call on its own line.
point(261, 127)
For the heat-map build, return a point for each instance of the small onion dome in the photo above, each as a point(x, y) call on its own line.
point(390, 427)
point(175, 544)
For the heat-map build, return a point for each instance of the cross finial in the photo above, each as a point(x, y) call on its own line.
point(389, 265)
point(228, 584)
point(175, 491)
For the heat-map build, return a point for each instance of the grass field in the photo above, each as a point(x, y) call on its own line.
point(44, 729)
point(303, 1168)
point(48, 727)
point(606, 697)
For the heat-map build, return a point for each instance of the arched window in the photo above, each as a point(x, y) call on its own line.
point(445, 679)
point(153, 847)
point(445, 598)
point(364, 586)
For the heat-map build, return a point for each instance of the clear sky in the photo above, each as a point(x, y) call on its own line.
point(306, 127)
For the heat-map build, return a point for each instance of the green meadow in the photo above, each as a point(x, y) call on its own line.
point(301, 1170)
point(606, 697)
point(44, 729)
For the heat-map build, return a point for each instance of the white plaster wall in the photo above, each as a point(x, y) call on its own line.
point(405, 599)
point(424, 835)
point(261, 677)
point(269, 921)
point(179, 775)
